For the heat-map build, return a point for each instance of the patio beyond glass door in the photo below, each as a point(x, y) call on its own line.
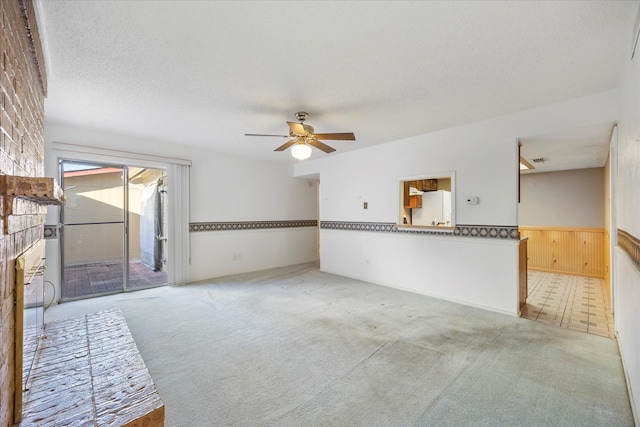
point(148, 227)
point(115, 223)
point(94, 226)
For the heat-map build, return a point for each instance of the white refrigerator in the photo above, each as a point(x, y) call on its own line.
point(435, 210)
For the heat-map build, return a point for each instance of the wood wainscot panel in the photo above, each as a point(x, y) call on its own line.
point(523, 290)
point(568, 250)
point(607, 262)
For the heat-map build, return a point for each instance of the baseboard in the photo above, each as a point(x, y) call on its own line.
point(570, 273)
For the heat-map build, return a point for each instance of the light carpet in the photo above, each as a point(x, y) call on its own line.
point(293, 346)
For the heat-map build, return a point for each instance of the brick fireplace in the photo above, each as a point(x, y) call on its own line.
point(22, 92)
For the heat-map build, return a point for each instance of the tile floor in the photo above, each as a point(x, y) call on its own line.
point(101, 278)
point(572, 302)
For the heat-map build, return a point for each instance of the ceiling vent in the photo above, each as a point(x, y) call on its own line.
point(540, 160)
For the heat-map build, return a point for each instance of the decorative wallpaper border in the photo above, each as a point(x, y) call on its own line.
point(631, 245)
point(250, 225)
point(477, 231)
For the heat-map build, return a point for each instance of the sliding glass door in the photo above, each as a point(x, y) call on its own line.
point(148, 226)
point(112, 229)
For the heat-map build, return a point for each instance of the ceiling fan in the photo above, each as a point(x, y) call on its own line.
point(304, 138)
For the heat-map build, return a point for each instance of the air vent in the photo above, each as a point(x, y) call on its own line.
point(540, 160)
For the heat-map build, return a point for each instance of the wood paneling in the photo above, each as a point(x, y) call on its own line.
point(607, 262)
point(523, 290)
point(579, 251)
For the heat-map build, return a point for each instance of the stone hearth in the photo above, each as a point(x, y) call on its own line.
point(88, 371)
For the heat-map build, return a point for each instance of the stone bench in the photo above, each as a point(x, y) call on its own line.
point(89, 372)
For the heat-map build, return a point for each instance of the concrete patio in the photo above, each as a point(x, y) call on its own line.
point(102, 278)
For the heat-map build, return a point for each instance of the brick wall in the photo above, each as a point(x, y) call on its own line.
point(22, 92)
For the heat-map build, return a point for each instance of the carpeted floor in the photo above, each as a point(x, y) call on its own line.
point(297, 347)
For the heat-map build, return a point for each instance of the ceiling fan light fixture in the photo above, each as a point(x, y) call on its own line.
point(303, 138)
point(301, 151)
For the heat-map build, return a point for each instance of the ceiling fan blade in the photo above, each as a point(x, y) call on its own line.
point(345, 136)
point(320, 146)
point(297, 128)
point(265, 134)
point(286, 145)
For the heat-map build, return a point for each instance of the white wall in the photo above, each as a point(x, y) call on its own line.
point(484, 156)
point(572, 198)
point(224, 188)
point(627, 277)
point(452, 268)
point(212, 252)
point(627, 319)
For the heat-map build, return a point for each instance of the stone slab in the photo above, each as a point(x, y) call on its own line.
point(89, 372)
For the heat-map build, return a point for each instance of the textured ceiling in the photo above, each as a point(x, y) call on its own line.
point(586, 147)
point(203, 73)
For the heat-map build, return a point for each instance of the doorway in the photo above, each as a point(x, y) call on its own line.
point(569, 227)
point(114, 229)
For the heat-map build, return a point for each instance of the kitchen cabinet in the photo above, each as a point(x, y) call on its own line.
point(429, 184)
point(415, 201)
point(409, 201)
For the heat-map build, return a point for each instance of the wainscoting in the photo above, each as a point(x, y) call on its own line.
point(577, 251)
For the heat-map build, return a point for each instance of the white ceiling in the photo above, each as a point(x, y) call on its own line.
point(586, 147)
point(204, 73)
